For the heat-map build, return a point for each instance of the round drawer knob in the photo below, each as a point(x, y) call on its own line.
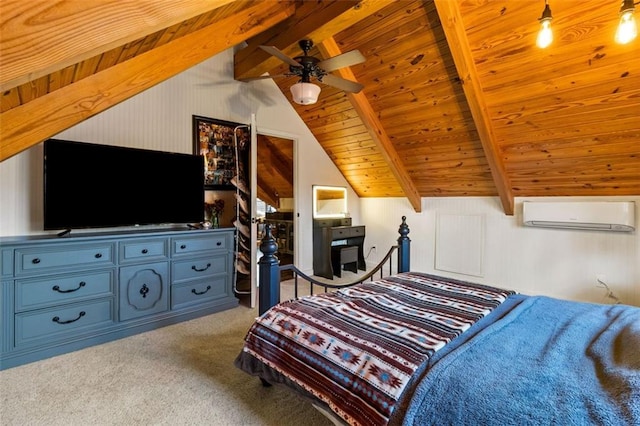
point(183, 247)
point(145, 251)
point(98, 255)
point(219, 243)
point(35, 261)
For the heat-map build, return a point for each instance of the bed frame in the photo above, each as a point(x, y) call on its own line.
point(269, 268)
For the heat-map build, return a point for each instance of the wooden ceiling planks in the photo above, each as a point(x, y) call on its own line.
point(373, 125)
point(458, 43)
point(563, 120)
point(413, 76)
point(399, 65)
point(567, 129)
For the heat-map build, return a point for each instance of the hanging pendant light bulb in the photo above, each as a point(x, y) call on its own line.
point(627, 28)
point(545, 36)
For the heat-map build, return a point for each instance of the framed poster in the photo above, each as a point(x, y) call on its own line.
point(222, 143)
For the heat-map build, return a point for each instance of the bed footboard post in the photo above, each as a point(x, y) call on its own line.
point(403, 246)
point(268, 272)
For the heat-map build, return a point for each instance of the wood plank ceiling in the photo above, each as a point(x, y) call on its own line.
point(457, 99)
point(274, 169)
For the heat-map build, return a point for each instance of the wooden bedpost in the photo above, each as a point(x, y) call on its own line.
point(269, 272)
point(403, 246)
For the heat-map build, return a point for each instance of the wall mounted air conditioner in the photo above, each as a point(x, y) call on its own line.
point(593, 215)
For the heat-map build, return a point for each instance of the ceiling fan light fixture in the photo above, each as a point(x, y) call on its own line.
point(627, 28)
point(305, 93)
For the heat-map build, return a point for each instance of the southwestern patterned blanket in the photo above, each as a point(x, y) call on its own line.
point(420, 350)
point(358, 349)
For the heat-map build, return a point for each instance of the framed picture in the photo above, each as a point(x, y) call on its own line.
point(223, 145)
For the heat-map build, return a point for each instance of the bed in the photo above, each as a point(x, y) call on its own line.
point(417, 349)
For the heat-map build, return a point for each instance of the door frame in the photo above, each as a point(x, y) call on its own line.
point(254, 191)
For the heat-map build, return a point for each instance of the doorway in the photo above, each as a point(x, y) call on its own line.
point(275, 192)
point(274, 189)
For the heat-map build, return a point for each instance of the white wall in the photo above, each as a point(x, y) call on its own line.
point(556, 262)
point(161, 119)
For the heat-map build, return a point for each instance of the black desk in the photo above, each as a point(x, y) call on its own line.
point(332, 232)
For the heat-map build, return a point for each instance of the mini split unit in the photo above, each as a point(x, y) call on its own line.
point(596, 216)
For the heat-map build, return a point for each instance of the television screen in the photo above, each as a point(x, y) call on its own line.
point(94, 186)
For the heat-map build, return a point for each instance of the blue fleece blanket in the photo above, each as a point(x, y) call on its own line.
point(547, 362)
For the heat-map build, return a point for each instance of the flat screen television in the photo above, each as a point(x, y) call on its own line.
point(88, 185)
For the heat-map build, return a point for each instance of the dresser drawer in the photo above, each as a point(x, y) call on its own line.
point(57, 289)
point(347, 232)
point(192, 245)
point(55, 324)
point(339, 233)
point(134, 251)
point(199, 268)
point(328, 223)
point(323, 223)
point(191, 293)
point(356, 231)
point(30, 261)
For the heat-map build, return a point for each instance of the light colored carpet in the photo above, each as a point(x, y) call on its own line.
point(177, 375)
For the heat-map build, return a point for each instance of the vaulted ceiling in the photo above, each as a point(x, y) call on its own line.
point(457, 99)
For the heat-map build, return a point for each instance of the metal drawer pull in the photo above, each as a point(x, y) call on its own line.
point(193, 290)
point(35, 261)
point(200, 270)
point(183, 246)
point(219, 243)
point(98, 255)
point(57, 319)
point(144, 290)
point(57, 288)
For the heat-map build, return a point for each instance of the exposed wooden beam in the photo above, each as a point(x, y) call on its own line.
point(267, 193)
point(329, 48)
point(38, 37)
point(453, 26)
point(35, 121)
point(253, 61)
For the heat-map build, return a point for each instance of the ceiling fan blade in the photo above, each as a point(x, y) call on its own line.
point(342, 84)
point(262, 77)
point(343, 60)
point(272, 50)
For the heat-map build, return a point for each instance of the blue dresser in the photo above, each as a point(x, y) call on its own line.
point(62, 294)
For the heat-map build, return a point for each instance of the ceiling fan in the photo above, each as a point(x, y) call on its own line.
point(307, 67)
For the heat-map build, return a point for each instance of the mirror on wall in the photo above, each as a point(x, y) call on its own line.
point(329, 202)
